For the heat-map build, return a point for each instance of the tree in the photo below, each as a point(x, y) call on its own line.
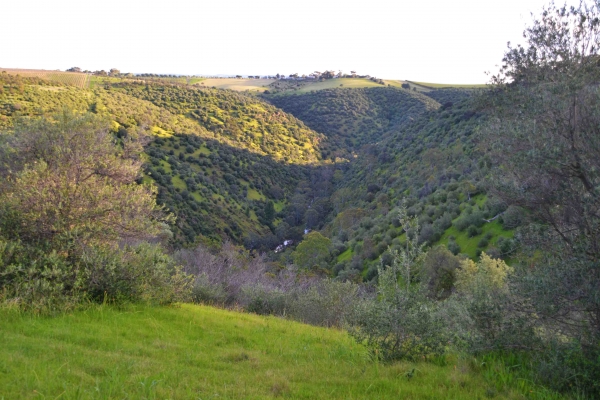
point(67, 180)
point(269, 212)
point(314, 249)
point(544, 136)
point(73, 219)
point(439, 268)
point(407, 262)
point(114, 72)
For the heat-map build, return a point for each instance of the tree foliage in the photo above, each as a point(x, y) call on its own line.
point(545, 136)
point(68, 180)
point(313, 249)
point(72, 218)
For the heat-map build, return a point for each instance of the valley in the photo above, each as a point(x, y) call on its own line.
point(324, 235)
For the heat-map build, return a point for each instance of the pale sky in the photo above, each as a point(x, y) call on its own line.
point(449, 41)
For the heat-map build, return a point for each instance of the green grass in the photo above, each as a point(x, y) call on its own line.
point(279, 205)
point(178, 183)
point(254, 194)
point(196, 352)
point(345, 255)
point(468, 245)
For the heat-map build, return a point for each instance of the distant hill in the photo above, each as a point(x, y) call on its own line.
point(433, 86)
point(435, 165)
point(351, 118)
point(240, 85)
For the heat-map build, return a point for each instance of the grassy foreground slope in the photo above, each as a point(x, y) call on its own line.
point(202, 352)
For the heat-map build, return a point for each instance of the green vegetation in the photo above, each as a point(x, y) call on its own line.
point(74, 225)
point(214, 156)
point(427, 222)
point(194, 351)
point(351, 118)
point(245, 122)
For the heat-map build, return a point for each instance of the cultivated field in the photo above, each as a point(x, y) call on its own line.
point(183, 80)
point(254, 85)
point(80, 80)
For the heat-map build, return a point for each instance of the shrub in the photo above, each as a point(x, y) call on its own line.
point(401, 323)
point(326, 303)
point(206, 292)
point(473, 231)
point(439, 270)
point(263, 300)
point(453, 247)
point(54, 282)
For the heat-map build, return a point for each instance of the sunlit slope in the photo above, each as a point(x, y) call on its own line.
point(228, 117)
point(245, 121)
point(217, 161)
point(202, 352)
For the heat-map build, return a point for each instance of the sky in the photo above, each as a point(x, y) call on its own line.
point(426, 41)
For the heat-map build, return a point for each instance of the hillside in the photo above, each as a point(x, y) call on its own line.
point(404, 146)
point(247, 122)
point(434, 164)
point(219, 157)
point(351, 118)
point(198, 352)
point(234, 166)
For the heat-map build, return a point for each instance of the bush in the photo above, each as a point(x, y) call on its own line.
point(473, 231)
point(570, 367)
point(506, 246)
point(439, 270)
point(453, 247)
point(54, 282)
point(406, 326)
point(513, 217)
point(326, 303)
point(263, 300)
point(483, 242)
point(206, 292)
point(474, 219)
